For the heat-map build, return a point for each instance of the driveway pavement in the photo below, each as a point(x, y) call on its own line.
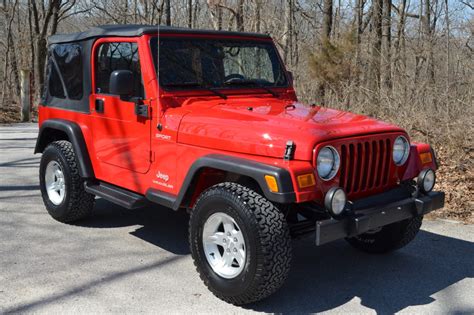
point(122, 261)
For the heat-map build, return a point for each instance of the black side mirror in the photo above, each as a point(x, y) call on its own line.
point(121, 83)
point(290, 77)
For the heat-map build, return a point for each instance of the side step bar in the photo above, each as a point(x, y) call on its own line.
point(117, 195)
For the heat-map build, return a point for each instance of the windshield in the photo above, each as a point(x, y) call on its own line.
point(187, 63)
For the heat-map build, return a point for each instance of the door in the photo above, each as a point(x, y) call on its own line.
point(121, 132)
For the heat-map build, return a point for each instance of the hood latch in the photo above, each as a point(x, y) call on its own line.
point(289, 150)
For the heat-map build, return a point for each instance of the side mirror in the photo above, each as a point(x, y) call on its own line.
point(290, 77)
point(121, 83)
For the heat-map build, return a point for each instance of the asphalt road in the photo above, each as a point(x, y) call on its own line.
point(121, 261)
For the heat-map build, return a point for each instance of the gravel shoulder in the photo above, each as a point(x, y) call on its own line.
point(122, 261)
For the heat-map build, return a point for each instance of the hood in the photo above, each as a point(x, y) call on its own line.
point(264, 126)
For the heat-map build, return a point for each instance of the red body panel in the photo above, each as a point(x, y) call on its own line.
point(229, 125)
point(131, 152)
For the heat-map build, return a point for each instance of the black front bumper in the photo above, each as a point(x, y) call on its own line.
point(372, 217)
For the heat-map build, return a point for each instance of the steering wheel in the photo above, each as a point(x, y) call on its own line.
point(234, 77)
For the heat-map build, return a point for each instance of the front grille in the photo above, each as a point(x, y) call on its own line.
point(365, 165)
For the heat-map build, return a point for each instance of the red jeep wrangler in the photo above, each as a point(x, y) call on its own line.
point(209, 122)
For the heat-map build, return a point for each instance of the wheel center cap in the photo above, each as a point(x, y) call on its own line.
point(231, 244)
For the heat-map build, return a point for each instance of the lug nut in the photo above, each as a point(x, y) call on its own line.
point(235, 250)
point(228, 250)
point(235, 239)
point(224, 240)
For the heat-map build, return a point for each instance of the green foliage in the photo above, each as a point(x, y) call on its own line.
point(334, 64)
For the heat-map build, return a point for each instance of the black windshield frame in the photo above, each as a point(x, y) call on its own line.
point(206, 44)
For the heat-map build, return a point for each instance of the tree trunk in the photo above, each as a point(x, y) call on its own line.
point(400, 29)
point(327, 19)
point(219, 18)
point(428, 38)
point(374, 81)
point(358, 34)
point(167, 12)
point(190, 13)
point(41, 25)
point(239, 17)
point(258, 21)
point(387, 45)
point(326, 37)
point(13, 55)
point(448, 49)
point(288, 34)
point(55, 21)
point(215, 10)
point(14, 65)
point(41, 52)
point(25, 95)
point(32, 45)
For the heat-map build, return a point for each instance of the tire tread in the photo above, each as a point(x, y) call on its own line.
point(274, 239)
point(391, 237)
point(80, 203)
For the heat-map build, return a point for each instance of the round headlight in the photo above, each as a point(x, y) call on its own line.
point(401, 149)
point(328, 162)
point(335, 201)
point(426, 180)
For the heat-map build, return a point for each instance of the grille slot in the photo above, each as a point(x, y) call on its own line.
point(365, 165)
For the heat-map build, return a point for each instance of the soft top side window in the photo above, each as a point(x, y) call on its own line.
point(65, 72)
point(117, 56)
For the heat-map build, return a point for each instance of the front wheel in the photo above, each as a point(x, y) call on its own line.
point(240, 243)
point(388, 238)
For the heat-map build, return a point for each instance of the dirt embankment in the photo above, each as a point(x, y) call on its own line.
point(456, 178)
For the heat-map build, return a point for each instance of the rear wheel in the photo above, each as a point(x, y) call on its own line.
point(240, 243)
point(62, 188)
point(388, 238)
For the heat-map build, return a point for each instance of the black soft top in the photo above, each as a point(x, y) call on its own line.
point(132, 30)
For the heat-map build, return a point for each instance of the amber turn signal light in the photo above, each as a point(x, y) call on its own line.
point(426, 158)
point(271, 183)
point(306, 180)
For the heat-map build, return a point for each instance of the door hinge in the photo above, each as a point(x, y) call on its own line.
point(141, 110)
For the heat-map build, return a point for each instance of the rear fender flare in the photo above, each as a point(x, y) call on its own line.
point(75, 136)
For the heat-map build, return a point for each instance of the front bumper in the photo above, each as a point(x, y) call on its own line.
point(374, 217)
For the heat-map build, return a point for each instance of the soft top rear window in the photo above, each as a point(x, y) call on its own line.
point(65, 72)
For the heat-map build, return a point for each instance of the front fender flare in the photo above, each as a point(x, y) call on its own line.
point(252, 169)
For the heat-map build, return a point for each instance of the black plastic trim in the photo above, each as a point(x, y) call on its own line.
point(162, 198)
point(433, 154)
point(120, 196)
point(75, 136)
point(132, 30)
point(252, 169)
point(364, 220)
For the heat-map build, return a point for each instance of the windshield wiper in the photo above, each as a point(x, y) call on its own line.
point(198, 85)
point(253, 83)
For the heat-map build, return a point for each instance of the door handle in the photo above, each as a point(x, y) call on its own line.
point(99, 106)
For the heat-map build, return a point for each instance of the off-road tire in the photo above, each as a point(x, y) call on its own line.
point(267, 237)
point(391, 237)
point(77, 203)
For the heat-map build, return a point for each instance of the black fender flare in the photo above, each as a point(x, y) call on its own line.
point(249, 168)
point(75, 136)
